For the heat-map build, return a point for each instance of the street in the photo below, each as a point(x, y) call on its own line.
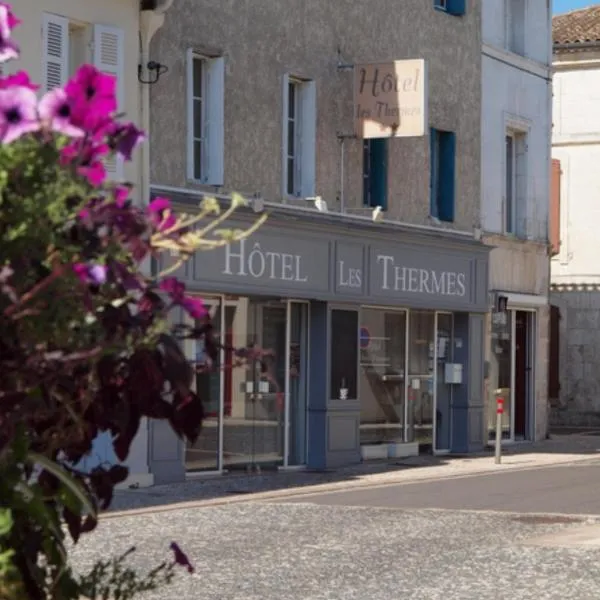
point(467, 537)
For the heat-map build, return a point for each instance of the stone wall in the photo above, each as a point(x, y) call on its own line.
point(578, 403)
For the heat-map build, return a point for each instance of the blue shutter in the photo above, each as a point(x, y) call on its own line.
point(433, 192)
point(379, 172)
point(447, 164)
point(456, 7)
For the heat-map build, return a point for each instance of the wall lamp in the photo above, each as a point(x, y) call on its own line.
point(152, 67)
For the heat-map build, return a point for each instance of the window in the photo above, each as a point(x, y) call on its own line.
point(442, 171)
point(206, 91)
point(66, 46)
point(375, 172)
point(299, 137)
point(515, 26)
point(453, 7)
point(515, 194)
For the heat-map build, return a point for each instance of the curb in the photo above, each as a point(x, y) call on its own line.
point(334, 487)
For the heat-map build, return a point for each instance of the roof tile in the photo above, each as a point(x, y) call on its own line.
point(577, 26)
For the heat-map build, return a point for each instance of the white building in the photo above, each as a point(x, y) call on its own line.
point(575, 269)
point(516, 129)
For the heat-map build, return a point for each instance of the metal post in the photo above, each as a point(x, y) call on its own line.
point(499, 412)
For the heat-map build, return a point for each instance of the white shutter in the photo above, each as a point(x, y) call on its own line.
point(308, 126)
point(109, 58)
point(284, 136)
point(214, 131)
point(55, 39)
point(190, 114)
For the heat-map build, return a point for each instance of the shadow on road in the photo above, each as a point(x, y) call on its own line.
point(565, 442)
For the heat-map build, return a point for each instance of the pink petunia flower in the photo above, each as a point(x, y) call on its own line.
point(181, 558)
point(8, 47)
point(18, 79)
point(18, 113)
point(160, 214)
point(11, 19)
point(176, 290)
point(91, 274)
point(126, 137)
point(92, 95)
point(89, 158)
point(55, 111)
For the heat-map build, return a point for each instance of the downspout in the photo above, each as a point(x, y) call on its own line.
point(151, 20)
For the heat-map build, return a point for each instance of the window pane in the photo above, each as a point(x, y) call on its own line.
point(292, 100)
point(291, 138)
point(382, 377)
point(198, 68)
point(290, 176)
point(198, 125)
point(344, 355)
point(197, 159)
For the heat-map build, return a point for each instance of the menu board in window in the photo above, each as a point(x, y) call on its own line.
point(344, 355)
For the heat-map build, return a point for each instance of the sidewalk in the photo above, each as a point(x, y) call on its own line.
point(560, 449)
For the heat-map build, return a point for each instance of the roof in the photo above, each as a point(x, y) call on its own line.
point(577, 26)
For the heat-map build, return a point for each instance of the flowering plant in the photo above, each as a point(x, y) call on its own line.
point(85, 345)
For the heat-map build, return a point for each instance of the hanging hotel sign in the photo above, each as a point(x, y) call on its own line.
point(390, 99)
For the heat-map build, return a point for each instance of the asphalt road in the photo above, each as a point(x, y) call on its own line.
point(573, 488)
point(379, 543)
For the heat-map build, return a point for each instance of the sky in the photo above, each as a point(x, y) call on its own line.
point(561, 6)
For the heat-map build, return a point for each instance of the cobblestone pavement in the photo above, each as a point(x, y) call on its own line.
point(558, 449)
point(264, 551)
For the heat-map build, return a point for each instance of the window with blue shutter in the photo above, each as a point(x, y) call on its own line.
point(442, 174)
point(375, 172)
point(452, 7)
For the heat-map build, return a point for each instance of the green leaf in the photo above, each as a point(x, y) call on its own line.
point(71, 484)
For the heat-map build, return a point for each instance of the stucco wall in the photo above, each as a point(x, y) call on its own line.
point(264, 39)
point(579, 399)
point(522, 268)
point(116, 13)
point(517, 266)
point(576, 143)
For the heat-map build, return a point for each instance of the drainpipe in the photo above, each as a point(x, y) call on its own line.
point(152, 18)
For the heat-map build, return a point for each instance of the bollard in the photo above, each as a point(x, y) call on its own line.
point(499, 413)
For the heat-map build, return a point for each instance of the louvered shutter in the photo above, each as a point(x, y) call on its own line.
point(109, 58)
point(55, 35)
point(215, 123)
point(308, 127)
point(555, 207)
point(284, 135)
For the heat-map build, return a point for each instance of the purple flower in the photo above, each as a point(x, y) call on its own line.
point(18, 79)
point(18, 113)
point(126, 137)
point(8, 47)
point(55, 110)
point(11, 19)
point(92, 95)
point(181, 558)
point(91, 274)
point(176, 290)
point(88, 156)
point(160, 214)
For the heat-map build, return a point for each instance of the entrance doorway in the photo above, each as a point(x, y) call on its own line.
point(523, 396)
point(256, 410)
point(512, 373)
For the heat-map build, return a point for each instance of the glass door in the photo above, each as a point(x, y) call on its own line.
point(421, 377)
point(253, 426)
point(297, 382)
point(208, 382)
point(443, 390)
